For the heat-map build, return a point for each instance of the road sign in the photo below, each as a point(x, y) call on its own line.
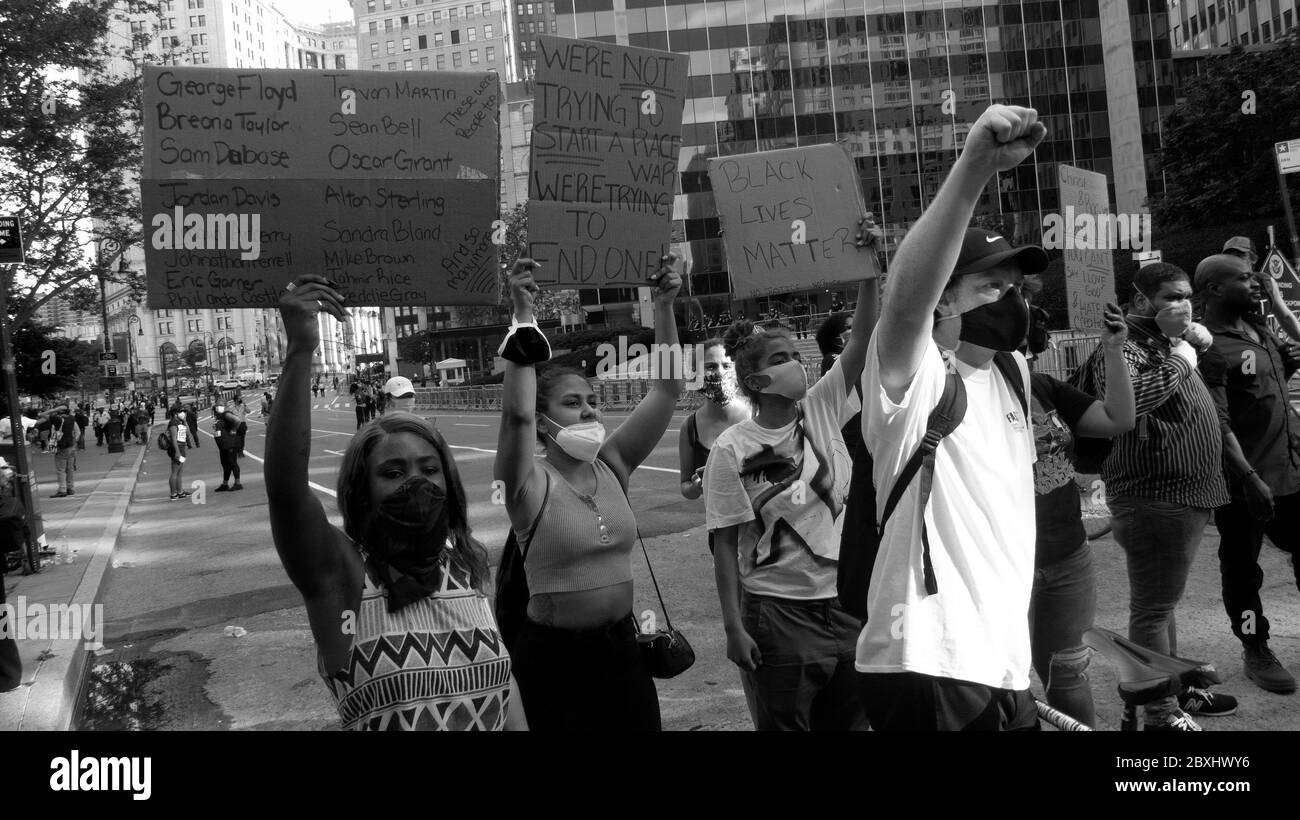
point(108, 357)
point(1276, 266)
point(11, 240)
point(1144, 258)
point(110, 370)
point(1288, 156)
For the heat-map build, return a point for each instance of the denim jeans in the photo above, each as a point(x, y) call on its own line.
point(1240, 539)
point(65, 464)
point(1063, 605)
point(807, 681)
point(1160, 539)
point(912, 702)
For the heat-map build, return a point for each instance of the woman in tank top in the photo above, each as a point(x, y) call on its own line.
point(723, 407)
point(576, 657)
point(404, 635)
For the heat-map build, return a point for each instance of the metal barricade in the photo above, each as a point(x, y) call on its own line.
point(1070, 348)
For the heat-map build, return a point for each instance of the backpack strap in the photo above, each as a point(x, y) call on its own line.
point(1015, 375)
point(944, 418)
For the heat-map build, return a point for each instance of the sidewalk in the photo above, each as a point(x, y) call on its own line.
point(83, 529)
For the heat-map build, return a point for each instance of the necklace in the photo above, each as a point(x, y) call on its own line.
point(590, 501)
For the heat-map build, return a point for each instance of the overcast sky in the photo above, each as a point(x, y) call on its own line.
point(315, 11)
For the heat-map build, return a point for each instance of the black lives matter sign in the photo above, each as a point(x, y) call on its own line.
point(606, 138)
point(386, 183)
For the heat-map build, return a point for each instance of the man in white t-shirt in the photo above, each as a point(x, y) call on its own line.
point(952, 653)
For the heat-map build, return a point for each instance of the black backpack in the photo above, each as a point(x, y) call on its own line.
point(860, 540)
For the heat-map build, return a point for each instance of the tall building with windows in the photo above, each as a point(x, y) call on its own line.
point(532, 19)
point(900, 82)
point(1196, 24)
point(437, 35)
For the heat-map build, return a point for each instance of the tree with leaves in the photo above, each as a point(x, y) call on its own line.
point(70, 144)
point(1218, 157)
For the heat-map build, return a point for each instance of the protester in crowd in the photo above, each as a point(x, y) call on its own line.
point(1247, 373)
point(801, 311)
point(101, 422)
point(267, 402)
point(946, 643)
point(404, 570)
point(83, 421)
point(192, 420)
point(178, 433)
point(64, 433)
point(723, 406)
point(1163, 478)
point(142, 423)
point(577, 658)
point(775, 491)
point(14, 535)
point(1242, 247)
point(1064, 598)
point(400, 393)
point(228, 430)
point(358, 402)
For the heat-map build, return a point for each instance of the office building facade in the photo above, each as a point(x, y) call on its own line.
point(1198, 24)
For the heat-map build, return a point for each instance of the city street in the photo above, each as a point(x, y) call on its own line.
point(185, 576)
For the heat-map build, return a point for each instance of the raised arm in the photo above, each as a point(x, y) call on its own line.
point(311, 549)
point(1118, 413)
point(517, 437)
point(637, 437)
point(867, 311)
point(998, 141)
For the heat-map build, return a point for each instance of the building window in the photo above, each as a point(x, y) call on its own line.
point(197, 21)
point(419, 19)
point(473, 34)
point(487, 32)
point(451, 15)
point(469, 12)
point(388, 48)
point(165, 328)
point(473, 56)
point(406, 23)
point(423, 41)
point(406, 44)
point(487, 9)
point(552, 26)
point(424, 63)
point(388, 25)
point(374, 27)
point(456, 60)
point(198, 39)
point(195, 325)
point(437, 16)
point(491, 54)
point(407, 65)
point(455, 36)
point(223, 322)
point(529, 6)
point(441, 62)
point(374, 49)
point(194, 4)
point(370, 5)
point(437, 38)
point(392, 66)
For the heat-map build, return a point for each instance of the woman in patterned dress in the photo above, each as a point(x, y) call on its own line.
point(404, 634)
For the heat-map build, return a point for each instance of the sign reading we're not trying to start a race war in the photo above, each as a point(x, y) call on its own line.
point(606, 137)
point(386, 183)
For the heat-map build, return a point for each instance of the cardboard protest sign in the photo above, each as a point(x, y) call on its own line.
point(1089, 270)
point(606, 136)
point(385, 183)
point(789, 219)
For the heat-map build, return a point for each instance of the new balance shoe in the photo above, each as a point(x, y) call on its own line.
point(1268, 673)
point(1203, 702)
point(1178, 721)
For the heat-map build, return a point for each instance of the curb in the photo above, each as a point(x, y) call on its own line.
point(57, 682)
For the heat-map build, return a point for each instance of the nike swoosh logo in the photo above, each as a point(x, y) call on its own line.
point(991, 239)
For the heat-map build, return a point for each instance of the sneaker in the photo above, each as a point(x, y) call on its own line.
point(222, 489)
point(1178, 721)
point(185, 494)
point(1268, 673)
point(1196, 701)
point(237, 486)
point(59, 495)
point(174, 497)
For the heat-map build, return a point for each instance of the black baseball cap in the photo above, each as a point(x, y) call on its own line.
point(983, 249)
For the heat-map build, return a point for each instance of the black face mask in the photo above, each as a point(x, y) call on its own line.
point(999, 325)
point(405, 536)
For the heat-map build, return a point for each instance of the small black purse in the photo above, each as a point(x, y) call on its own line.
point(666, 652)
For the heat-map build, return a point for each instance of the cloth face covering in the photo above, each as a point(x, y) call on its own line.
point(405, 536)
point(719, 388)
point(579, 441)
point(999, 325)
point(788, 379)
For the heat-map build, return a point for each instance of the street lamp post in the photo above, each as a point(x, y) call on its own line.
point(132, 319)
point(162, 357)
point(207, 355)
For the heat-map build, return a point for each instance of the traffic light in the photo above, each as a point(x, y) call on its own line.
point(241, 350)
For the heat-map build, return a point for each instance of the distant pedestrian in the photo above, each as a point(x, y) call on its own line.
point(192, 421)
point(228, 428)
point(178, 433)
point(267, 402)
point(64, 432)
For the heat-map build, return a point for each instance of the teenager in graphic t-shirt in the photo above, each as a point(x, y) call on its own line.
point(954, 654)
point(774, 490)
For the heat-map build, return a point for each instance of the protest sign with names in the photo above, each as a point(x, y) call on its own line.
point(385, 183)
point(606, 137)
point(11, 240)
point(1089, 272)
point(790, 219)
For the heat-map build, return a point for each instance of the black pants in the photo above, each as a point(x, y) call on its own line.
point(911, 702)
point(11, 665)
point(361, 415)
point(590, 680)
point(229, 464)
point(1240, 539)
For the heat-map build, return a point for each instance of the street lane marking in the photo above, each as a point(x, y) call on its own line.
point(334, 452)
point(466, 424)
point(260, 460)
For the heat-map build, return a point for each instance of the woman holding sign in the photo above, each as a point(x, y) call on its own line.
point(405, 638)
point(775, 490)
point(577, 658)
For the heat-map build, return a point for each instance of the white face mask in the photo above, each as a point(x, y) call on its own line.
point(579, 441)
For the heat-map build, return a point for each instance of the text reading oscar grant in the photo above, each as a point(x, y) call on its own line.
point(252, 178)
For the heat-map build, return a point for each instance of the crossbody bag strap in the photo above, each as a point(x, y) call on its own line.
point(644, 551)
